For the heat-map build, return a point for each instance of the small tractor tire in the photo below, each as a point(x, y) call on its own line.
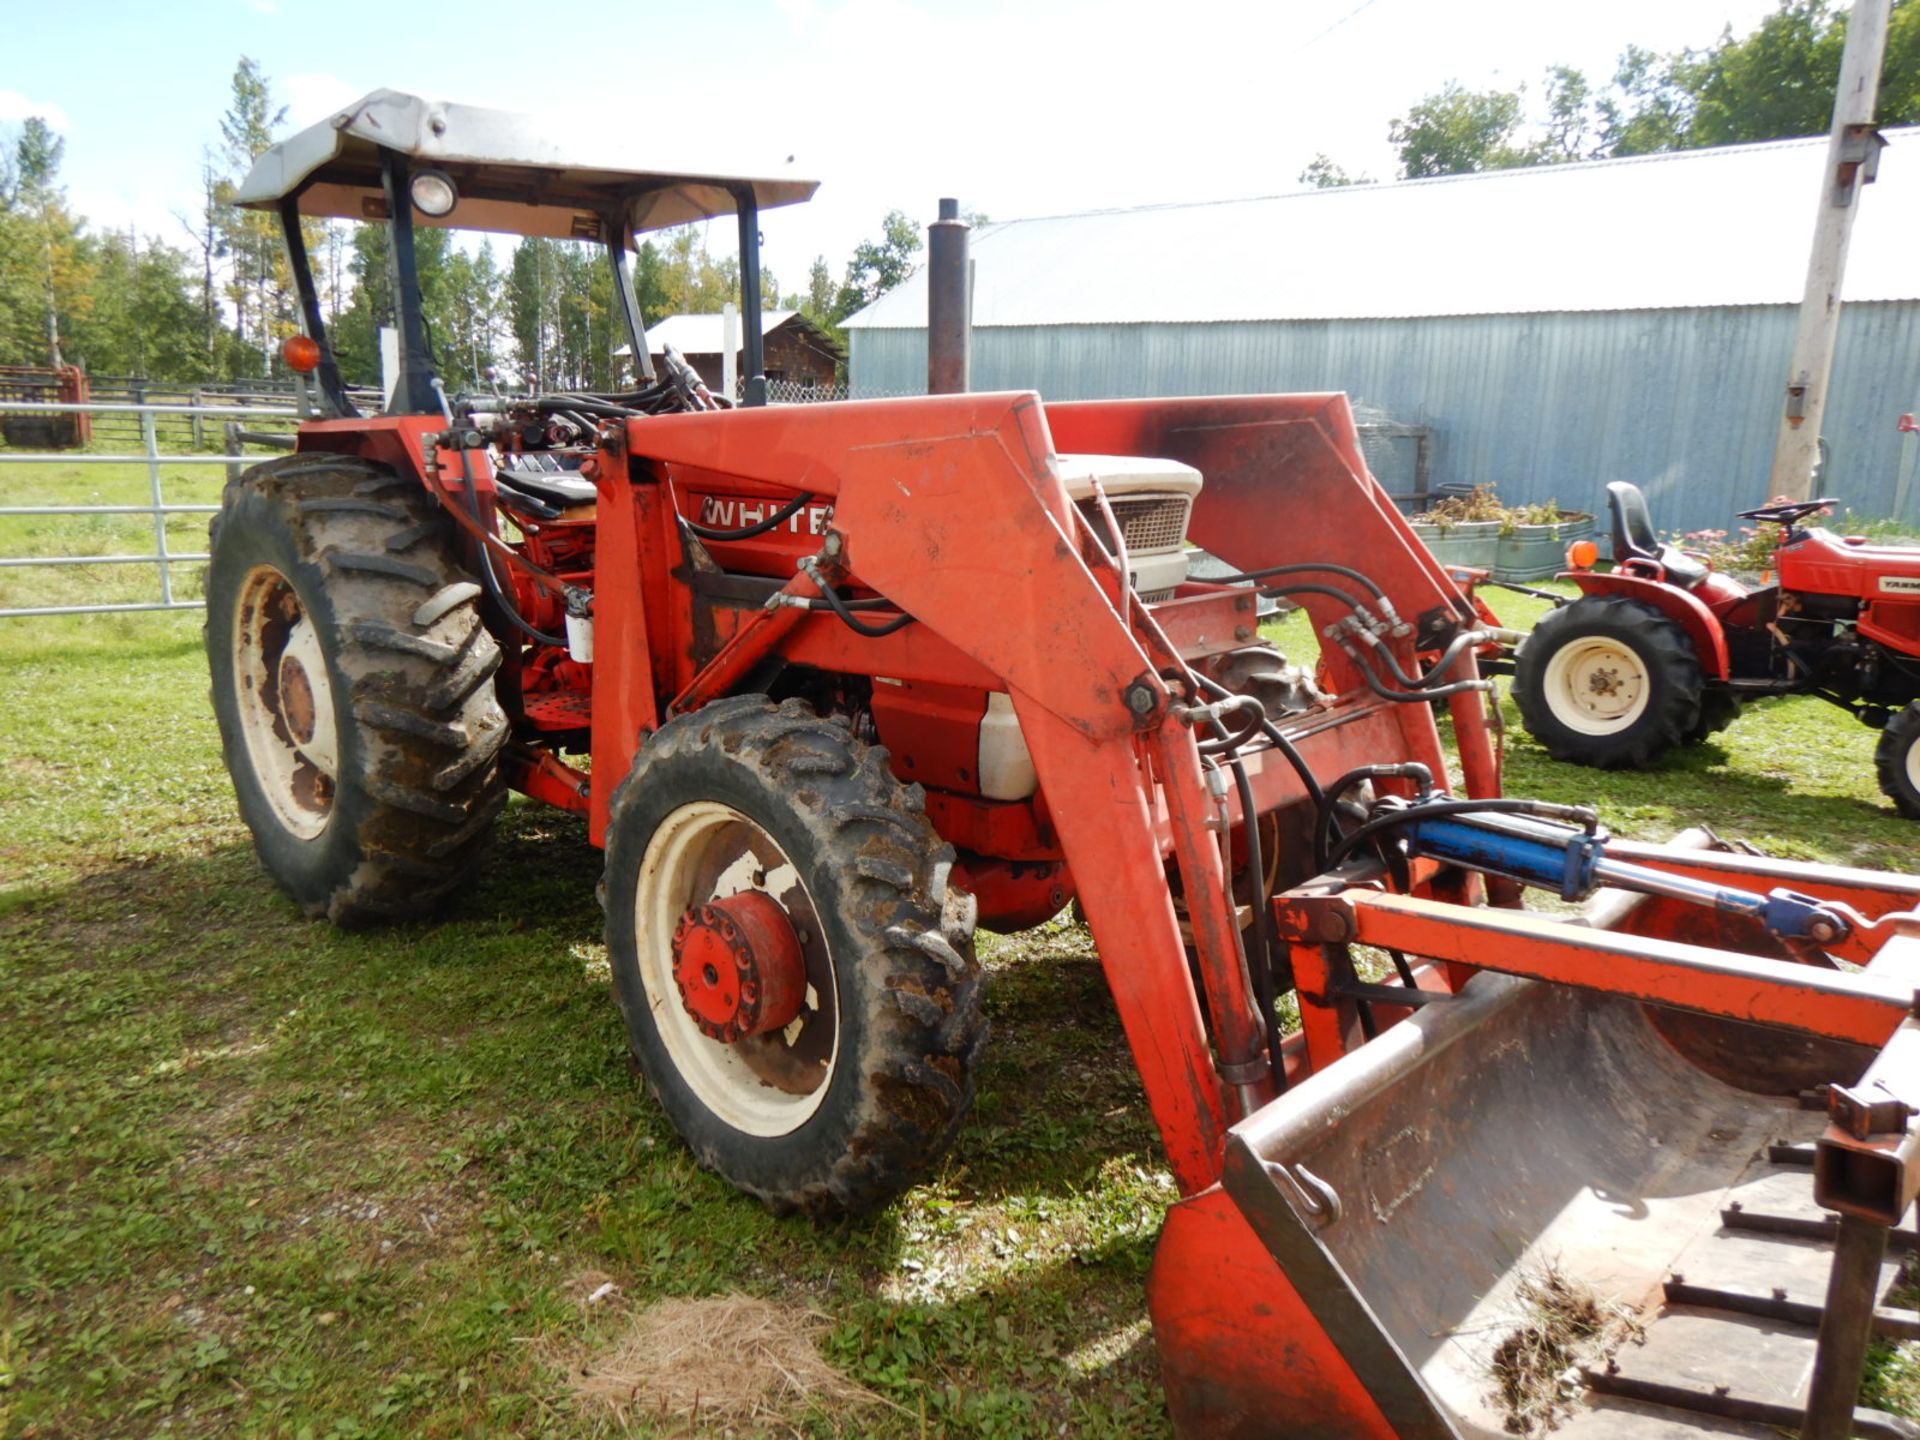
point(1608, 682)
point(1897, 758)
point(353, 685)
point(859, 1096)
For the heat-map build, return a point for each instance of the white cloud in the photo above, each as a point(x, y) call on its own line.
point(15, 107)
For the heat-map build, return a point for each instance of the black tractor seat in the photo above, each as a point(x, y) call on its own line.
point(1633, 537)
point(544, 477)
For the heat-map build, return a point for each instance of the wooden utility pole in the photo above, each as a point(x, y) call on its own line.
point(1853, 154)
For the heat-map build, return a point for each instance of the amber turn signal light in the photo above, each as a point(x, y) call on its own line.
point(302, 354)
point(1582, 555)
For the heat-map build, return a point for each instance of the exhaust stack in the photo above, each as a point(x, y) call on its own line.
point(949, 307)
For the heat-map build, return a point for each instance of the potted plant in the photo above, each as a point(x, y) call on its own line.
point(1462, 529)
point(1533, 539)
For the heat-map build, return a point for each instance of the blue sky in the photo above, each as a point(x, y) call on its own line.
point(1019, 108)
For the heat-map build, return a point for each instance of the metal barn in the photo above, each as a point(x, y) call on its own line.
point(1553, 328)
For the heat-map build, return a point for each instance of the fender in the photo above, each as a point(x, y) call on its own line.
point(1700, 623)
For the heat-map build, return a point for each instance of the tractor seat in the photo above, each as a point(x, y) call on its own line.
point(1633, 537)
point(545, 478)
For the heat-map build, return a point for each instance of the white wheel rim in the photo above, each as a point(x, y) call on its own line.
point(765, 1085)
point(1597, 686)
point(1913, 764)
point(285, 699)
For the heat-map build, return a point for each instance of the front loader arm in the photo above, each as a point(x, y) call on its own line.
point(1286, 484)
point(951, 509)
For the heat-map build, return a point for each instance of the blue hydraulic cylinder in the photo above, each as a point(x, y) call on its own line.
point(1574, 864)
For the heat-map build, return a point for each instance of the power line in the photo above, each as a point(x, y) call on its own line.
point(1364, 4)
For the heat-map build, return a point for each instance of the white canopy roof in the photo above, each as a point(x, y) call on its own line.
point(512, 175)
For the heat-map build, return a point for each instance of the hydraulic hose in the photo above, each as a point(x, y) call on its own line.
point(860, 627)
point(1263, 977)
point(1345, 597)
point(495, 590)
point(1311, 568)
point(1412, 770)
point(843, 608)
point(1387, 692)
point(1267, 728)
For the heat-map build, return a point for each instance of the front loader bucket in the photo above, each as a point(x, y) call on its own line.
point(1524, 1207)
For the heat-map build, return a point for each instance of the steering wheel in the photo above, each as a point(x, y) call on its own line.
point(1790, 512)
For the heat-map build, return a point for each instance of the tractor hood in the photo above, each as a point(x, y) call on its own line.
point(513, 176)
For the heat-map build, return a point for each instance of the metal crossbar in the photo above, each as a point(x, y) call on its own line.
point(158, 507)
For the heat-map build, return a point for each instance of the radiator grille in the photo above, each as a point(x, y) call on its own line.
point(1147, 522)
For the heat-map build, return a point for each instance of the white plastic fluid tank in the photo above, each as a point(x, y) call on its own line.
point(1006, 766)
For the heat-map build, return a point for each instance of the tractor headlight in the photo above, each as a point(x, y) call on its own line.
point(433, 193)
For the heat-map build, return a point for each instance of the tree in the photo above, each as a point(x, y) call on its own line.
point(1575, 127)
point(1777, 82)
point(206, 230)
point(1322, 173)
point(475, 322)
point(877, 266)
point(1773, 83)
point(142, 320)
point(259, 285)
point(36, 193)
point(1456, 131)
point(817, 303)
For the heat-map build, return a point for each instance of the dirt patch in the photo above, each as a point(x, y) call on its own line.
point(717, 1361)
point(1536, 1369)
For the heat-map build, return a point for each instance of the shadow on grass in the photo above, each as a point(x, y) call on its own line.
point(256, 1150)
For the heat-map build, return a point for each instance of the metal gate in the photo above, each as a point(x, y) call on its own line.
point(118, 420)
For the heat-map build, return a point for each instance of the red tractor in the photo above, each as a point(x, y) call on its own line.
point(1663, 650)
point(833, 684)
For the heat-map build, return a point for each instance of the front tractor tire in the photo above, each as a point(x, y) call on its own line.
point(1897, 759)
point(1608, 682)
point(353, 686)
point(797, 977)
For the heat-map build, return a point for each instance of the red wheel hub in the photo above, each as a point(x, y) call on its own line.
point(739, 966)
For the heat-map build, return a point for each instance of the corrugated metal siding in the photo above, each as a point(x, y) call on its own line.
point(1546, 406)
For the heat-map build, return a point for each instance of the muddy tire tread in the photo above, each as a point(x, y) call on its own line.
point(925, 1021)
point(410, 680)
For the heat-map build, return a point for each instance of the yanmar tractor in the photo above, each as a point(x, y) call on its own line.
point(1663, 650)
point(832, 684)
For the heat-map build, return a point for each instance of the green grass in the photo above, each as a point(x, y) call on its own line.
point(264, 1176)
point(258, 1174)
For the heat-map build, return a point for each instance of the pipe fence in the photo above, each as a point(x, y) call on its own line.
point(133, 441)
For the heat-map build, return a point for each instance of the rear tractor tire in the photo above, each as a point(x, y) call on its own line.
point(1897, 758)
point(1608, 682)
point(353, 686)
point(796, 975)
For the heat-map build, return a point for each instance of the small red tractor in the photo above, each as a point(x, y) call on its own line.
point(833, 684)
point(1663, 650)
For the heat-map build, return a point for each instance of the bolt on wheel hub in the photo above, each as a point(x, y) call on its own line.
point(739, 966)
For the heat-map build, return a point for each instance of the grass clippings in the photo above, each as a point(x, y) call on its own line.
point(1536, 1369)
point(723, 1360)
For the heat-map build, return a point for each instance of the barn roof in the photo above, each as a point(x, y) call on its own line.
point(1725, 226)
point(706, 334)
